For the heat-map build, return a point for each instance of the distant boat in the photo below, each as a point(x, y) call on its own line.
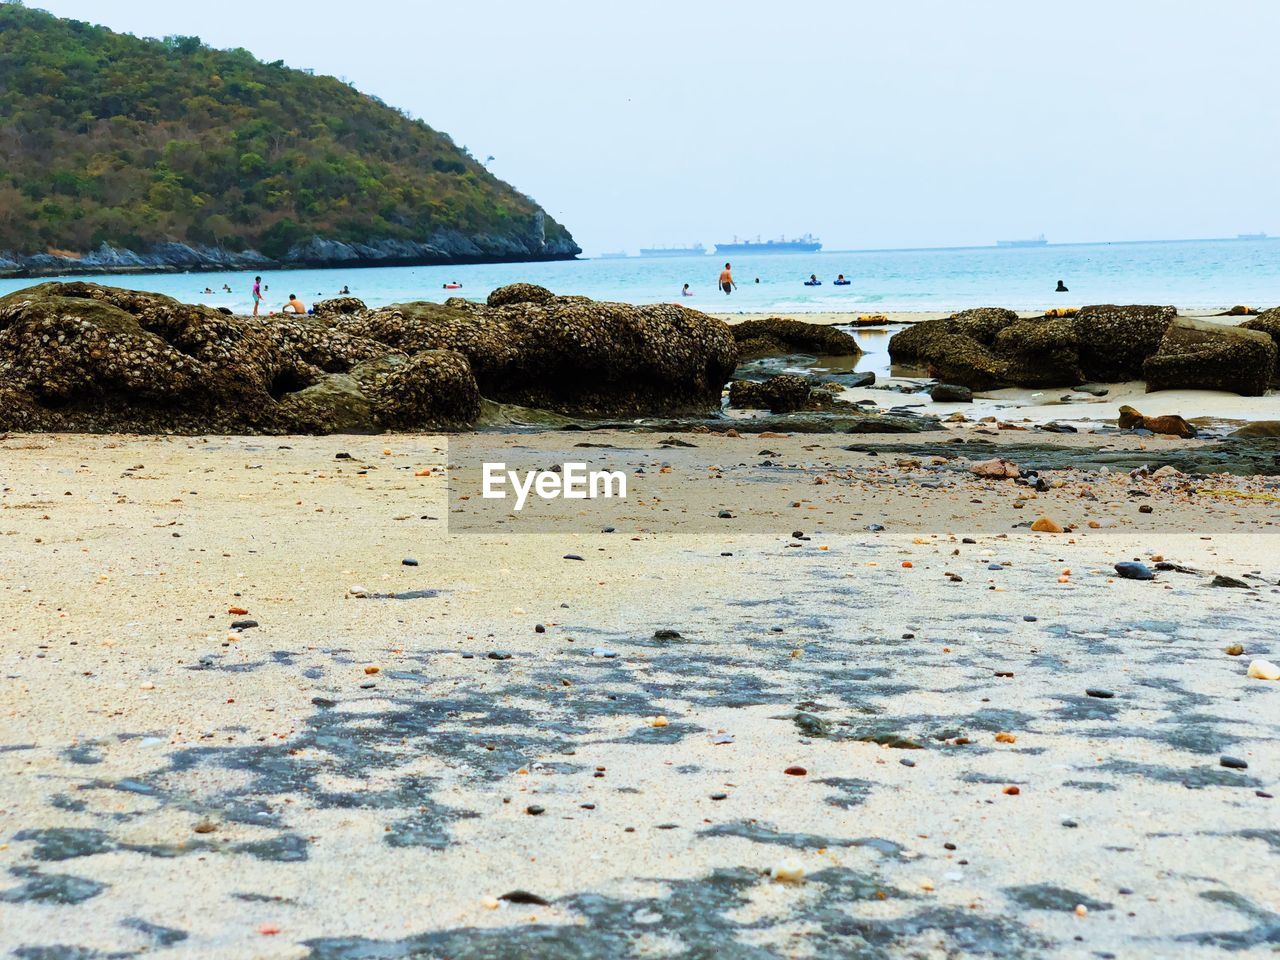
point(1039, 241)
point(1251, 236)
point(697, 250)
point(806, 244)
point(614, 255)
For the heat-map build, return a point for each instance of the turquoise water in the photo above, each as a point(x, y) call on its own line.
point(1189, 274)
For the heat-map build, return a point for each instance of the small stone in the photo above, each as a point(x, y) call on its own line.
point(1234, 763)
point(1011, 791)
point(243, 624)
point(572, 556)
point(603, 653)
point(1263, 670)
point(797, 534)
point(1235, 650)
point(1099, 693)
point(1134, 570)
point(659, 721)
point(205, 826)
point(1006, 738)
point(534, 810)
point(1081, 910)
point(788, 871)
point(1224, 581)
point(1029, 618)
point(524, 896)
point(795, 771)
point(1070, 824)
point(666, 635)
point(371, 669)
point(1045, 525)
point(1146, 508)
point(357, 590)
point(539, 628)
point(498, 655)
point(907, 762)
point(237, 611)
point(813, 726)
point(719, 796)
point(409, 562)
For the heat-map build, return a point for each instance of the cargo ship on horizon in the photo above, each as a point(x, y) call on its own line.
point(1039, 241)
point(806, 244)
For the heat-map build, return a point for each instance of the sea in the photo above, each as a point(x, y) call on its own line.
point(1191, 274)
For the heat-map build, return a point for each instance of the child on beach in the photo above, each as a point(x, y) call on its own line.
point(257, 294)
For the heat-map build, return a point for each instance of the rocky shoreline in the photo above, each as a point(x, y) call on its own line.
point(443, 249)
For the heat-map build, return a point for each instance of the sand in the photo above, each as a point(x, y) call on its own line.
point(176, 786)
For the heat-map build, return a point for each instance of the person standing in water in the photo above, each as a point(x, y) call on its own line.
point(257, 294)
point(1062, 287)
point(726, 280)
point(686, 292)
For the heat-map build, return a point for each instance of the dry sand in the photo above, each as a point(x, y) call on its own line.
point(176, 787)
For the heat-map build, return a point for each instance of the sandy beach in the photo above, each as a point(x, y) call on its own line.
point(898, 744)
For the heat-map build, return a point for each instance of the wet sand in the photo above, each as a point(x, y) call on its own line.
point(360, 777)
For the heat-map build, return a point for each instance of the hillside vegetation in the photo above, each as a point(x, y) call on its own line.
point(108, 138)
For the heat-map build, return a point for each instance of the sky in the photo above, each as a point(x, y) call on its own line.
point(867, 124)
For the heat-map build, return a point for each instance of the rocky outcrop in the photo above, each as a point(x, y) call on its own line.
point(991, 347)
point(775, 336)
point(570, 354)
point(77, 356)
point(1202, 355)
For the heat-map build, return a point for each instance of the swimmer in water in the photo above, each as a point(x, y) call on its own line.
point(726, 280)
point(1062, 287)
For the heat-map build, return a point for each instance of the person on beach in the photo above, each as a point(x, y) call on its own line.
point(257, 294)
point(294, 305)
point(1062, 287)
point(726, 280)
point(686, 292)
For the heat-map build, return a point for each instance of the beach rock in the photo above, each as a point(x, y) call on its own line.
point(950, 393)
point(785, 393)
point(1258, 428)
point(1263, 670)
point(1113, 341)
point(1046, 525)
point(78, 356)
point(519, 293)
point(1169, 425)
point(775, 336)
point(1267, 322)
point(1134, 570)
point(339, 306)
point(996, 468)
point(1200, 354)
point(570, 355)
point(1222, 580)
point(1041, 352)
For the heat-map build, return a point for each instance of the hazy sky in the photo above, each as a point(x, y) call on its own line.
point(868, 124)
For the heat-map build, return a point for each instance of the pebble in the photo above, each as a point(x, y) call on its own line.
point(357, 590)
point(603, 653)
point(409, 562)
point(795, 771)
point(719, 796)
point(1224, 581)
point(539, 628)
point(1263, 670)
point(499, 655)
point(1134, 570)
point(1234, 763)
point(1235, 650)
point(534, 810)
point(659, 721)
point(243, 624)
point(1099, 693)
point(205, 826)
point(788, 871)
point(907, 762)
point(1029, 618)
point(1045, 525)
point(572, 556)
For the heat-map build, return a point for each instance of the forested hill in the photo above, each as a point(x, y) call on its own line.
point(163, 150)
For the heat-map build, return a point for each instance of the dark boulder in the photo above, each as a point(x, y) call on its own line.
point(1200, 354)
point(776, 336)
point(950, 393)
point(1113, 341)
point(339, 306)
point(785, 393)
